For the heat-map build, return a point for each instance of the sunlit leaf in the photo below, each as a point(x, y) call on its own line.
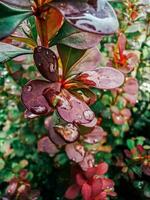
point(89, 61)
point(10, 18)
point(48, 24)
point(8, 52)
point(95, 17)
point(102, 78)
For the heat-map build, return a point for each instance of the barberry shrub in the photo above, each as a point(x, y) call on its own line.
point(71, 135)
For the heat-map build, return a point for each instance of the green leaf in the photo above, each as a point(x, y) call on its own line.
point(131, 144)
point(10, 18)
point(8, 52)
point(69, 56)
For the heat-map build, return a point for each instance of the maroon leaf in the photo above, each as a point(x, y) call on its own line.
point(96, 135)
point(102, 78)
point(69, 132)
point(86, 191)
point(75, 152)
point(33, 99)
point(51, 92)
point(72, 192)
point(46, 62)
point(95, 16)
point(74, 110)
point(45, 145)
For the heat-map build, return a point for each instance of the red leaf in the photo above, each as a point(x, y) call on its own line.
point(121, 44)
point(102, 168)
point(72, 192)
point(90, 172)
point(102, 78)
point(86, 191)
point(74, 110)
point(33, 99)
point(107, 183)
point(96, 187)
point(80, 180)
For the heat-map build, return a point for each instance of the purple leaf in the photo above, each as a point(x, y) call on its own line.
point(96, 16)
point(75, 152)
point(47, 146)
point(74, 110)
point(46, 62)
point(18, 3)
point(96, 135)
point(68, 132)
point(102, 78)
point(89, 61)
point(33, 99)
point(57, 139)
point(81, 40)
point(87, 162)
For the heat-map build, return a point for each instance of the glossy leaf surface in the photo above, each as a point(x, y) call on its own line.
point(74, 110)
point(48, 24)
point(75, 152)
point(46, 62)
point(95, 17)
point(102, 78)
point(89, 61)
point(68, 132)
point(72, 37)
point(33, 99)
point(10, 18)
point(18, 3)
point(8, 52)
point(46, 145)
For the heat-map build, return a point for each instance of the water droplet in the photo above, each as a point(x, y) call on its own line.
point(29, 88)
point(47, 52)
point(39, 49)
point(89, 115)
point(39, 109)
point(80, 149)
point(52, 67)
